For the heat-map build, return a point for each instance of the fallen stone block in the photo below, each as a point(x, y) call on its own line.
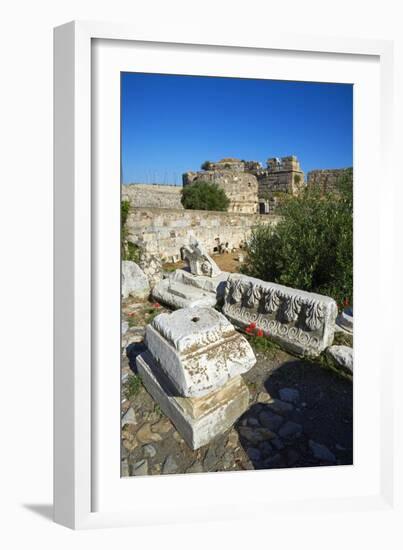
point(183, 289)
point(302, 322)
point(198, 349)
point(197, 419)
point(134, 281)
point(342, 356)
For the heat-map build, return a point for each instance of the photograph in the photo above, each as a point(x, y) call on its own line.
point(236, 274)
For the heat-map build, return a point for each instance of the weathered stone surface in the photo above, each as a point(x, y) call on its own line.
point(280, 407)
point(182, 289)
point(198, 349)
point(152, 195)
point(129, 417)
point(145, 435)
point(162, 231)
point(200, 263)
point(300, 321)
point(290, 429)
point(343, 356)
point(134, 281)
point(140, 468)
point(170, 466)
point(345, 320)
point(241, 188)
point(197, 419)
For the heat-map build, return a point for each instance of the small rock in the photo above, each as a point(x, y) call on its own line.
point(140, 468)
point(254, 422)
point(321, 452)
point(270, 420)
point(345, 320)
point(170, 466)
point(290, 429)
point(129, 417)
point(195, 468)
point(149, 451)
point(177, 436)
point(145, 435)
point(254, 454)
point(342, 356)
point(256, 435)
point(162, 426)
point(263, 397)
point(280, 407)
point(233, 439)
point(210, 459)
point(124, 468)
point(228, 460)
point(125, 327)
point(290, 395)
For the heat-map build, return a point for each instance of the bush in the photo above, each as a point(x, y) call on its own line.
point(206, 165)
point(311, 248)
point(129, 250)
point(204, 196)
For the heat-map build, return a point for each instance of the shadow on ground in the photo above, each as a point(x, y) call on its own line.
point(307, 422)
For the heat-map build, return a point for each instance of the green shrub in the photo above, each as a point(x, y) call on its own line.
point(130, 251)
point(204, 196)
point(132, 386)
point(311, 248)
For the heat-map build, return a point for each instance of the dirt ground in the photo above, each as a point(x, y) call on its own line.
point(226, 262)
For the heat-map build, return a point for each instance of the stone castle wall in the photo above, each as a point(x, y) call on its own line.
point(326, 180)
point(240, 187)
point(153, 196)
point(163, 232)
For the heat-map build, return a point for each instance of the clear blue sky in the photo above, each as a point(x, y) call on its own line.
point(171, 124)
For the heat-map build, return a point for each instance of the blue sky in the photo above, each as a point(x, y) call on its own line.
point(171, 124)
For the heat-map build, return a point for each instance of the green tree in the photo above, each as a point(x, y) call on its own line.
point(311, 248)
point(204, 195)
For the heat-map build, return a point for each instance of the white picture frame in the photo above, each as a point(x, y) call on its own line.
point(88, 491)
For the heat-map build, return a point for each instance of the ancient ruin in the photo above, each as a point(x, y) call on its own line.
point(302, 322)
point(326, 180)
point(201, 285)
point(192, 369)
point(240, 187)
point(250, 187)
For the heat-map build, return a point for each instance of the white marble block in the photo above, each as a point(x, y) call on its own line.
point(197, 419)
point(302, 322)
point(198, 349)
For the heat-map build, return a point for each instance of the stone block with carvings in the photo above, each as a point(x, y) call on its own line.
point(302, 322)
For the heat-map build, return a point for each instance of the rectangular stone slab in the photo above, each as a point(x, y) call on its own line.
point(302, 322)
point(197, 419)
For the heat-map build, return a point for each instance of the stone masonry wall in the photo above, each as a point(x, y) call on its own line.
point(153, 196)
point(326, 179)
point(163, 232)
point(241, 188)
